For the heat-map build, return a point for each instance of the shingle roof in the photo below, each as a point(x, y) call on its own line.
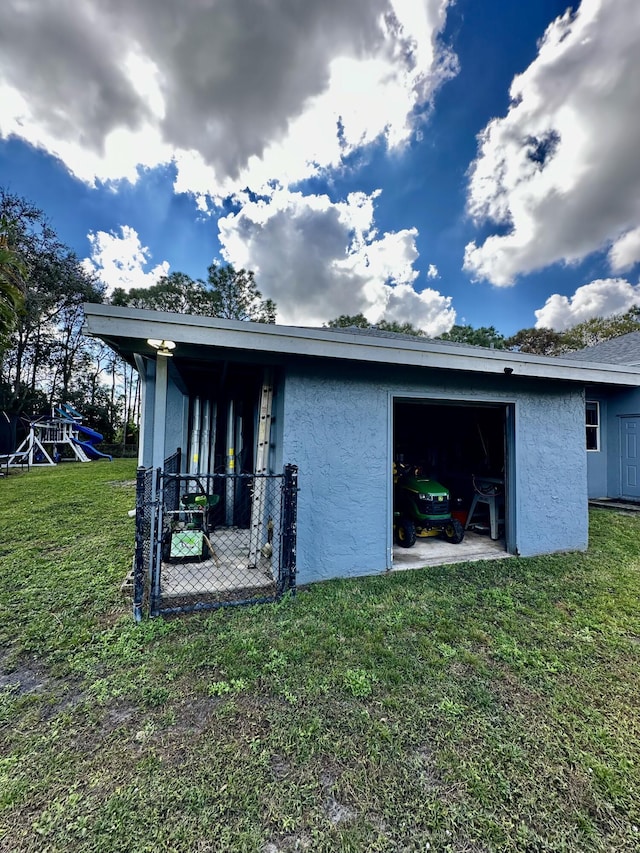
point(622, 350)
point(372, 332)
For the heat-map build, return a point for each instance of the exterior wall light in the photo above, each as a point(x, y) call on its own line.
point(164, 347)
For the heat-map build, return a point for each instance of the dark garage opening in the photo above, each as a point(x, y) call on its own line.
point(464, 448)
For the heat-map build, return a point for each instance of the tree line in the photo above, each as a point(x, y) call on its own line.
point(535, 341)
point(45, 358)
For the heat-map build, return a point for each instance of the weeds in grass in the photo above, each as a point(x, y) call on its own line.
point(359, 682)
point(222, 688)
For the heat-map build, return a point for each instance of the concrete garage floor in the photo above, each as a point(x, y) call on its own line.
point(224, 574)
point(228, 574)
point(434, 551)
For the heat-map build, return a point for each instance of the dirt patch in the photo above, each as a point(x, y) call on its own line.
point(287, 844)
point(118, 716)
point(23, 681)
point(280, 767)
point(22, 677)
point(337, 812)
point(28, 679)
point(196, 716)
point(427, 771)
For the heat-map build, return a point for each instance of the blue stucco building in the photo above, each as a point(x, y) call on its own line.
point(346, 405)
point(613, 422)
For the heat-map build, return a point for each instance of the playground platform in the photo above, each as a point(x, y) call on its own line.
point(50, 437)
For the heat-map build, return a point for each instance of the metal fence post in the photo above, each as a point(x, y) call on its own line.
point(155, 550)
point(138, 559)
point(289, 527)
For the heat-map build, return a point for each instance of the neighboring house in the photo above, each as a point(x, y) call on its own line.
point(347, 404)
point(612, 416)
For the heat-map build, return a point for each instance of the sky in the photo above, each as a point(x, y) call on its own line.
point(424, 161)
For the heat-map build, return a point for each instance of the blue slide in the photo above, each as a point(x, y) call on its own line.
point(92, 437)
point(91, 451)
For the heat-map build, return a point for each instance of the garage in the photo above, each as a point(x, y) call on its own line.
point(496, 428)
point(452, 462)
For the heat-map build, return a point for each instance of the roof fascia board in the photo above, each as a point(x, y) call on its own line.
point(109, 321)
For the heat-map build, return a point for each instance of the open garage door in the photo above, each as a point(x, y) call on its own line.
point(452, 486)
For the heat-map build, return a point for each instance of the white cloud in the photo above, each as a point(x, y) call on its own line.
point(625, 252)
point(600, 298)
point(432, 272)
point(238, 92)
point(560, 170)
point(318, 260)
point(119, 260)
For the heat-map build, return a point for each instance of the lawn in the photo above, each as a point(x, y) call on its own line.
point(480, 707)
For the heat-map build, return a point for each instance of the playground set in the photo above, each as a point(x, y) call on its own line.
point(48, 437)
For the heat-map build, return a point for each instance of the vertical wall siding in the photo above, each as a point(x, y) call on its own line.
point(176, 423)
point(597, 460)
point(147, 415)
point(619, 403)
point(337, 430)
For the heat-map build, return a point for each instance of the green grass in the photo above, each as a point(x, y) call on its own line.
point(477, 707)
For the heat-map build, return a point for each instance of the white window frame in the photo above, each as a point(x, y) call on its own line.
point(594, 427)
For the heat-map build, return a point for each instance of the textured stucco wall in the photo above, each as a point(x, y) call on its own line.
point(337, 429)
point(551, 472)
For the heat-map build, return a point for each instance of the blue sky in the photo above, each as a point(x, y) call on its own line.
point(431, 162)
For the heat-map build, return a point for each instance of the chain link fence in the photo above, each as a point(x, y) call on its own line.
point(212, 540)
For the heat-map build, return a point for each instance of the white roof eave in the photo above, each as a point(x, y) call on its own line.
point(111, 322)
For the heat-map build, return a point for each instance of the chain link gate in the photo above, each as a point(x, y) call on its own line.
point(213, 540)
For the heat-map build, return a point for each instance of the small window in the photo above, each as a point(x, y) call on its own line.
point(593, 425)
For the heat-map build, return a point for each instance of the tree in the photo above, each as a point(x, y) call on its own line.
point(227, 293)
point(47, 340)
point(13, 271)
point(399, 328)
point(96, 408)
point(346, 321)
point(537, 341)
point(71, 346)
point(176, 292)
point(483, 336)
point(545, 341)
point(600, 329)
point(235, 295)
point(359, 321)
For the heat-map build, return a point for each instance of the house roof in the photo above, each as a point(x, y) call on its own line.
point(372, 331)
point(127, 331)
point(622, 350)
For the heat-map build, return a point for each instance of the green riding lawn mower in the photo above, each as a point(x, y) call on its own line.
point(421, 508)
